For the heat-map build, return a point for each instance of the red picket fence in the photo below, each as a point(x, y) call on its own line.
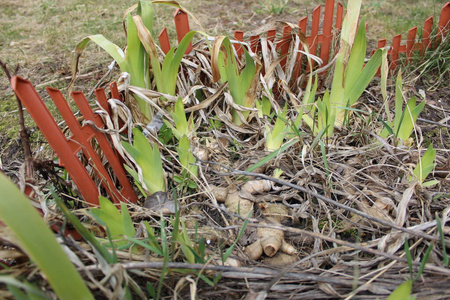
point(84, 143)
point(321, 35)
point(412, 44)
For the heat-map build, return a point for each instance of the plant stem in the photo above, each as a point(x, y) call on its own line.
point(24, 136)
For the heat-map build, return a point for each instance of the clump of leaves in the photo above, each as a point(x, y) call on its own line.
point(275, 136)
point(166, 74)
point(182, 126)
point(425, 167)
point(242, 84)
point(405, 119)
point(150, 177)
point(134, 60)
point(350, 78)
point(117, 223)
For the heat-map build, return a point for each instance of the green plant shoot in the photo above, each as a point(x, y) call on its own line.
point(351, 76)
point(150, 174)
point(15, 286)
point(186, 157)
point(134, 60)
point(165, 75)
point(404, 120)
point(402, 292)
point(242, 84)
point(264, 107)
point(187, 246)
point(441, 236)
point(275, 137)
point(425, 166)
point(307, 110)
point(101, 251)
point(351, 73)
point(183, 126)
point(119, 224)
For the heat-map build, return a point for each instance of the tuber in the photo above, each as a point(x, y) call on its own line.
point(270, 240)
point(241, 201)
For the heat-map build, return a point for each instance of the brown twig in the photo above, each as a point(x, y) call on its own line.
point(24, 136)
point(230, 272)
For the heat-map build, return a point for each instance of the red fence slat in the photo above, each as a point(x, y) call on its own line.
point(101, 98)
point(164, 40)
point(381, 43)
point(284, 45)
point(324, 36)
point(411, 42)
point(83, 135)
point(254, 43)
point(395, 51)
point(298, 66)
point(314, 37)
point(327, 29)
point(444, 21)
point(339, 15)
point(427, 28)
point(271, 34)
point(67, 149)
point(55, 137)
point(127, 193)
point(115, 91)
point(182, 27)
point(302, 24)
point(239, 36)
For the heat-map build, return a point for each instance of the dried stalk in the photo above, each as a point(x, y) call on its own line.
point(24, 135)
